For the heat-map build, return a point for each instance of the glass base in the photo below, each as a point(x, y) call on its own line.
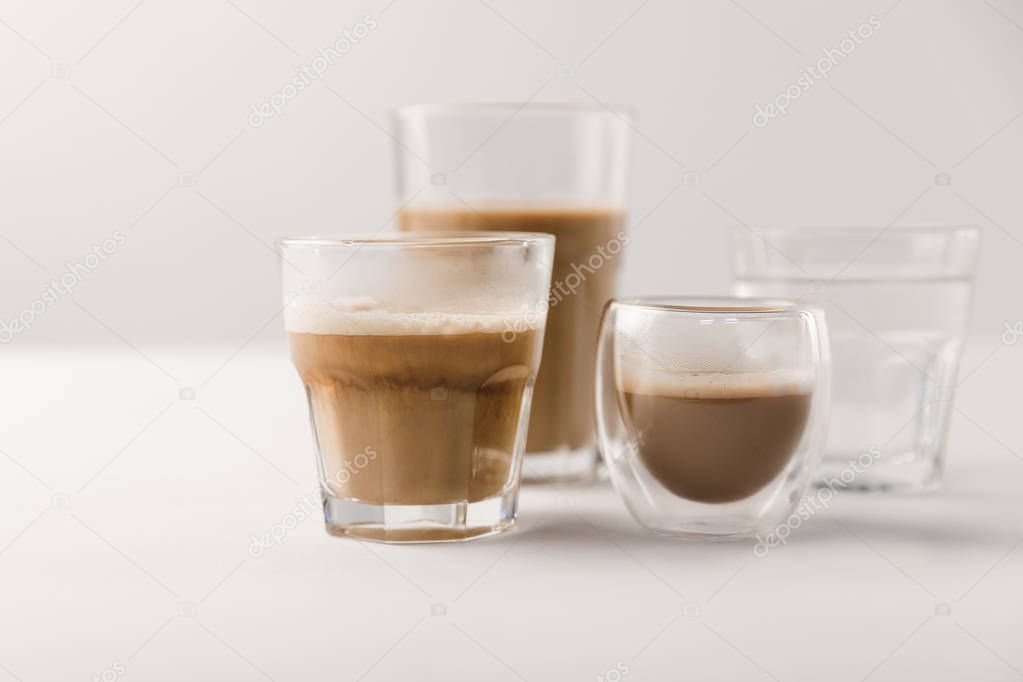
point(398, 523)
point(711, 529)
point(560, 466)
point(899, 472)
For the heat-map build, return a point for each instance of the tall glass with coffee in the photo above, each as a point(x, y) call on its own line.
point(418, 399)
point(558, 169)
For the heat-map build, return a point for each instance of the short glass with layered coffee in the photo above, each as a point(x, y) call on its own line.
point(711, 412)
point(418, 396)
point(559, 169)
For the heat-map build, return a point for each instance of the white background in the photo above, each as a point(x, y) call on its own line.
point(937, 89)
point(123, 505)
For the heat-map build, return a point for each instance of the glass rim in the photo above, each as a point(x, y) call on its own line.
point(509, 106)
point(431, 238)
point(713, 305)
point(811, 230)
point(912, 252)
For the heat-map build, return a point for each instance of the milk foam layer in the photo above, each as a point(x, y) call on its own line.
point(713, 385)
point(314, 315)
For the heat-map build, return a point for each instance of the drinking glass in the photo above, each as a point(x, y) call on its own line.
point(418, 397)
point(559, 169)
point(897, 301)
point(711, 412)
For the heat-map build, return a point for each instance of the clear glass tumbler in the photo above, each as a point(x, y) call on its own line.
point(559, 169)
point(418, 396)
point(897, 302)
point(711, 412)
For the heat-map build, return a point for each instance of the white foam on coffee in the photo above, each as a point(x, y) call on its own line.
point(314, 315)
point(713, 385)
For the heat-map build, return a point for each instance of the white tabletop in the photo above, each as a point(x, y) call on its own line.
point(126, 512)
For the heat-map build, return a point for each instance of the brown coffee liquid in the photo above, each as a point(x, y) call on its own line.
point(722, 446)
point(416, 419)
point(562, 413)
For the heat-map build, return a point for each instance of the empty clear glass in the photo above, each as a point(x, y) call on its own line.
point(897, 302)
point(711, 412)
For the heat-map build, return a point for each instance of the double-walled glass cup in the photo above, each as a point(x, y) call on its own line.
point(711, 412)
point(559, 169)
point(418, 393)
point(897, 302)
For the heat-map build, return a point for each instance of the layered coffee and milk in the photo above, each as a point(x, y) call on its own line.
point(587, 250)
point(413, 408)
point(714, 437)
